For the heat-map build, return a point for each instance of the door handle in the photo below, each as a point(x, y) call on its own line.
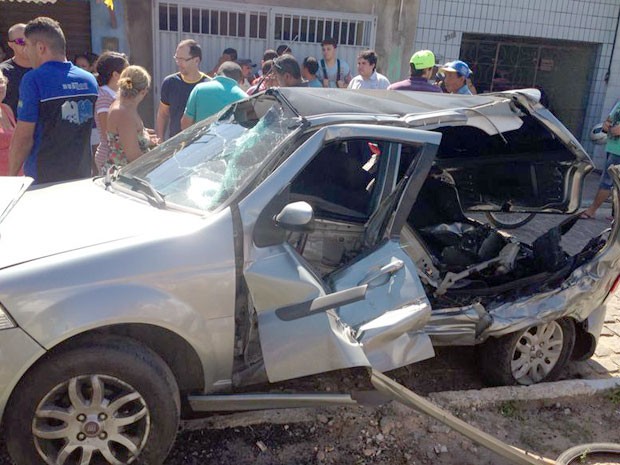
point(389, 269)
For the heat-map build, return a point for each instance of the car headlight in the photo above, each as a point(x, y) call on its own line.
point(5, 320)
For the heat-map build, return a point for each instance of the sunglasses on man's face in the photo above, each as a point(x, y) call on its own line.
point(18, 41)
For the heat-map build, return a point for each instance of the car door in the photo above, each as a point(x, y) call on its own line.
point(300, 325)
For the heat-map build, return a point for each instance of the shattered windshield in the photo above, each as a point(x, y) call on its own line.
point(202, 167)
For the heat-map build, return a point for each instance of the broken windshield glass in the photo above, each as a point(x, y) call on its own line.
point(203, 167)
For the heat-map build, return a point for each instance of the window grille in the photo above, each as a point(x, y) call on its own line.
point(311, 29)
point(212, 21)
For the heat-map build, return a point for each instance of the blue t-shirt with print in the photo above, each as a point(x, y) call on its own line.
point(60, 99)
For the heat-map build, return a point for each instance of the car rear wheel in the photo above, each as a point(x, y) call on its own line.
point(536, 354)
point(110, 402)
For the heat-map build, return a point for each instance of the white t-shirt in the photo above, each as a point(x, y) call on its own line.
point(376, 81)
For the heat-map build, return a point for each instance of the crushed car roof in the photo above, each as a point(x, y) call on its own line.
point(309, 102)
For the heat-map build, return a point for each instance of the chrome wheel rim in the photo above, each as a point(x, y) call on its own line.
point(93, 419)
point(537, 352)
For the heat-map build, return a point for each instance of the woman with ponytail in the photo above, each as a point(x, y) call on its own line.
point(126, 135)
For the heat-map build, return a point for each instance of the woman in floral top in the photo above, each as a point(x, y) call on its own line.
point(126, 135)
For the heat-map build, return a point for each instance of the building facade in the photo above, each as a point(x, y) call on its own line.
point(568, 48)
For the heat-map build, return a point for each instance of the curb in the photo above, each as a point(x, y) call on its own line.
point(543, 391)
point(459, 399)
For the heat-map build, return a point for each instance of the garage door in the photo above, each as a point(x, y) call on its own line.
point(73, 16)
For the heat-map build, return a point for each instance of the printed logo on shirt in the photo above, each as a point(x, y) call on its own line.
point(77, 112)
point(75, 86)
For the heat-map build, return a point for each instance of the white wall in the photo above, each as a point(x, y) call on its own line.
point(441, 24)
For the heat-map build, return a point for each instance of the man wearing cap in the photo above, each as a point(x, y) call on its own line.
point(208, 98)
point(421, 64)
point(456, 74)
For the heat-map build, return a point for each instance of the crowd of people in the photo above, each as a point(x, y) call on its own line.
point(63, 120)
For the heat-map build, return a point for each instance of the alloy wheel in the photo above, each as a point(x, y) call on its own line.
point(537, 352)
point(92, 419)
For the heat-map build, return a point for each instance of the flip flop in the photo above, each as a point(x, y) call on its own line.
point(585, 216)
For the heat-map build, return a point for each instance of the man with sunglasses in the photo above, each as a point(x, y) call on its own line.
point(14, 68)
point(175, 89)
point(55, 112)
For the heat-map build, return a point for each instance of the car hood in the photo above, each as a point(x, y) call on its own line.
point(69, 216)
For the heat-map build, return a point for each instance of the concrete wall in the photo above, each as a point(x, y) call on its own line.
point(441, 24)
point(140, 27)
point(106, 23)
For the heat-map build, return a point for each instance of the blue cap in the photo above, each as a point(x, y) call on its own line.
point(457, 66)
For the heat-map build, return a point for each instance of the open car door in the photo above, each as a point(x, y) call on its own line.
point(367, 313)
point(514, 156)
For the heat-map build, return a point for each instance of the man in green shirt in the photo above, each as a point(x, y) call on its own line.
point(207, 98)
point(612, 127)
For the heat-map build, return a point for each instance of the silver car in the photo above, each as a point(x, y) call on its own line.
point(296, 233)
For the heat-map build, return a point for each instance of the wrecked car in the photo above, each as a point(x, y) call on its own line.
point(295, 233)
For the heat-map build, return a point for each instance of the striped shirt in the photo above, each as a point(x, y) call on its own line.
point(104, 100)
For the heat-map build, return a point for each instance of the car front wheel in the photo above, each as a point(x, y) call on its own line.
point(110, 402)
point(536, 354)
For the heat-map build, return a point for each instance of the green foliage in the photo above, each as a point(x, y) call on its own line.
point(614, 396)
point(509, 409)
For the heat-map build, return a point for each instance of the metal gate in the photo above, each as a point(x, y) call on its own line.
point(563, 70)
point(251, 29)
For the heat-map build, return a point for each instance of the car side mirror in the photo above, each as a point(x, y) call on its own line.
point(296, 217)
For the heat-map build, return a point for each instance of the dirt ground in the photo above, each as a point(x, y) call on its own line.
point(394, 435)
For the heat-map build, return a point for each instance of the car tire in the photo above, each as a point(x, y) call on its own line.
point(578, 454)
point(112, 399)
point(536, 354)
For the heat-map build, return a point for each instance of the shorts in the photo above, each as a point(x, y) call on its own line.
point(606, 183)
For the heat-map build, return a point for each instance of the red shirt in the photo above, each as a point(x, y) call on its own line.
point(6, 134)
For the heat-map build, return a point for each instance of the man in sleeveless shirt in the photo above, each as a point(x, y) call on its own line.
point(333, 72)
point(175, 89)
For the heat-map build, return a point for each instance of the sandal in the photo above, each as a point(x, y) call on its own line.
point(585, 216)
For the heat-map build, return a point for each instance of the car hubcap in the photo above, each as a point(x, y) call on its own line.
point(537, 352)
point(91, 419)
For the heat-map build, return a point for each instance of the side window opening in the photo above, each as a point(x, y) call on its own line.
point(339, 181)
point(345, 184)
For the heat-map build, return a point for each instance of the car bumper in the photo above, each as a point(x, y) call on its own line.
point(18, 352)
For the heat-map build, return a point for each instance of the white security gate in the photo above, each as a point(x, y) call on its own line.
point(251, 29)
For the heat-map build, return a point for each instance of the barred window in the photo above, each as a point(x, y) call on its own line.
point(213, 21)
point(310, 29)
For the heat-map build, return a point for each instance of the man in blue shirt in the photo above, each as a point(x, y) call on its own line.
point(456, 74)
point(55, 110)
point(210, 97)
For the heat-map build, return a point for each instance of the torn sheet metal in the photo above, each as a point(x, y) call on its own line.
point(394, 340)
